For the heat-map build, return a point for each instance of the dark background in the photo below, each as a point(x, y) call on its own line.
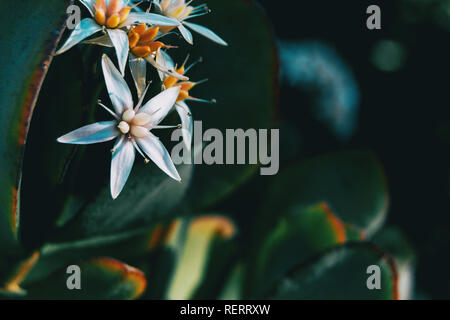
point(403, 115)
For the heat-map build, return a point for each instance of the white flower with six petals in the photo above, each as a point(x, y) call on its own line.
point(131, 127)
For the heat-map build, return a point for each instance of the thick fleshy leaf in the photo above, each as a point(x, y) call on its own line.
point(21, 75)
point(118, 90)
point(155, 150)
point(204, 32)
point(340, 273)
point(159, 106)
point(119, 39)
point(124, 246)
point(86, 28)
point(393, 241)
point(138, 67)
point(187, 35)
point(150, 18)
point(92, 133)
point(121, 164)
point(187, 122)
point(59, 109)
point(352, 184)
point(100, 278)
point(204, 234)
point(148, 197)
point(299, 235)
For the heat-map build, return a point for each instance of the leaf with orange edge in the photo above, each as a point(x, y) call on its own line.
point(352, 183)
point(33, 30)
point(339, 273)
point(299, 234)
point(101, 278)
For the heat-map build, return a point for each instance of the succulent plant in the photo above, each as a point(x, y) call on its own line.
point(318, 229)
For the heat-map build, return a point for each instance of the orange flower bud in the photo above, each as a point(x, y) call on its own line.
point(180, 70)
point(150, 34)
point(114, 7)
point(155, 45)
point(141, 51)
point(166, 29)
point(170, 82)
point(100, 6)
point(113, 21)
point(123, 14)
point(188, 85)
point(100, 17)
point(140, 29)
point(183, 95)
point(133, 38)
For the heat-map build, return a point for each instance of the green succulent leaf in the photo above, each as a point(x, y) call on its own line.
point(33, 32)
point(393, 241)
point(124, 246)
point(202, 256)
point(148, 196)
point(299, 235)
point(340, 273)
point(101, 278)
point(351, 183)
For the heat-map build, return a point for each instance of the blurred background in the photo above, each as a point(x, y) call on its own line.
point(344, 86)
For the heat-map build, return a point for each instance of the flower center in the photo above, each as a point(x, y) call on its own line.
point(113, 15)
point(134, 124)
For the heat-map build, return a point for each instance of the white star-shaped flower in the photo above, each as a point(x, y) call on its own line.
point(113, 17)
point(131, 128)
point(182, 11)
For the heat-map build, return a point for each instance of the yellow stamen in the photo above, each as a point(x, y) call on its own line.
point(124, 127)
point(128, 115)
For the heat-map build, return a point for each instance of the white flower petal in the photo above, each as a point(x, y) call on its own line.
point(119, 39)
point(138, 67)
point(163, 59)
point(205, 32)
point(165, 70)
point(89, 4)
point(187, 35)
point(84, 29)
point(103, 40)
point(156, 151)
point(187, 122)
point(92, 133)
point(150, 18)
point(121, 164)
point(159, 106)
point(118, 90)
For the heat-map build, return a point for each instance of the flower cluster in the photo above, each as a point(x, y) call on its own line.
point(137, 38)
